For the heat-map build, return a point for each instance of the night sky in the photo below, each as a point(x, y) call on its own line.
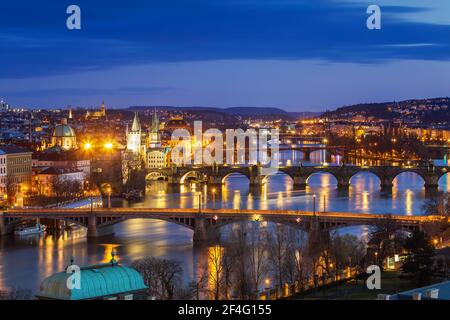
point(299, 55)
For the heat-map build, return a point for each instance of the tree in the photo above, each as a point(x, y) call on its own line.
point(257, 250)
point(438, 205)
point(347, 250)
point(161, 276)
point(418, 262)
point(278, 247)
point(215, 259)
point(386, 239)
point(240, 275)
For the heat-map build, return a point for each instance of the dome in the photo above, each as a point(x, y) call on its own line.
point(63, 130)
point(97, 281)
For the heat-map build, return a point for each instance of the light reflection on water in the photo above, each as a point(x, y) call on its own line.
point(25, 262)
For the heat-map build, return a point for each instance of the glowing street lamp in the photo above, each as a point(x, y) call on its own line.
point(87, 146)
point(109, 197)
point(109, 145)
point(267, 283)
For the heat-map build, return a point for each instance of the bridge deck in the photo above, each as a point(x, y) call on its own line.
point(142, 212)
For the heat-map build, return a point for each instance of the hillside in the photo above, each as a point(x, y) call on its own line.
point(426, 111)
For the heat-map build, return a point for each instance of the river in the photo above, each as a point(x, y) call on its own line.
point(25, 262)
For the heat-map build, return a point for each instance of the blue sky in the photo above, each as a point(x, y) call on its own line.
point(300, 55)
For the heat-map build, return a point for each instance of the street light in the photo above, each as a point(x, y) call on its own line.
point(314, 205)
point(199, 202)
point(109, 145)
point(109, 197)
point(87, 146)
point(214, 197)
point(267, 282)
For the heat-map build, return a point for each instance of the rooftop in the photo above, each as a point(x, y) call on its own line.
point(96, 281)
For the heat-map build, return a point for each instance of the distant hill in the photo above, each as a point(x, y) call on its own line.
point(426, 111)
point(240, 112)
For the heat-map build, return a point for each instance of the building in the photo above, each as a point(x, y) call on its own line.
point(156, 157)
point(438, 291)
point(60, 158)
point(15, 170)
point(45, 178)
point(64, 136)
point(156, 154)
point(154, 136)
point(96, 114)
point(134, 136)
point(106, 281)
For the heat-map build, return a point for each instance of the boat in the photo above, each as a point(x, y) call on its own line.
point(37, 229)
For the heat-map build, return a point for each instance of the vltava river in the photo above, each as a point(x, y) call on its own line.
point(25, 262)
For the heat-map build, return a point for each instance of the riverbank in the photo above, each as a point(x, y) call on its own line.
point(391, 283)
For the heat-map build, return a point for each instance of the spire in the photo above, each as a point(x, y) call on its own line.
point(155, 122)
point(136, 125)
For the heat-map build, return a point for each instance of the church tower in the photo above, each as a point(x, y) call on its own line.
point(134, 136)
point(154, 139)
point(103, 109)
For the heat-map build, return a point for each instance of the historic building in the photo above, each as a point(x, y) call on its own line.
point(96, 114)
point(64, 136)
point(134, 136)
point(15, 170)
point(143, 150)
point(105, 281)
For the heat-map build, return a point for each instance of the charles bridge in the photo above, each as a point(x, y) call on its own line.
point(217, 174)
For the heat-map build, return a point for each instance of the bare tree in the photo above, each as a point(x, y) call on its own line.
point(278, 247)
point(161, 276)
point(239, 249)
point(257, 251)
point(215, 259)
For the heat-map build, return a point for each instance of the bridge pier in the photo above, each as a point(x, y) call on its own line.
point(92, 226)
point(306, 155)
point(200, 235)
point(343, 182)
point(386, 185)
point(3, 230)
point(431, 190)
point(300, 182)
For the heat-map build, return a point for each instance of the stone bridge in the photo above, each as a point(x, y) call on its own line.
point(205, 222)
point(216, 174)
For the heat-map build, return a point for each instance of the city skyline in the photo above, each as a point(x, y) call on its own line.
point(309, 57)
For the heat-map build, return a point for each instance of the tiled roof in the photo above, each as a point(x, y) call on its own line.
point(11, 149)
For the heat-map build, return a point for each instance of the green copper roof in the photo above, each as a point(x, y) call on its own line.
point(63, 130)
point(96, 281)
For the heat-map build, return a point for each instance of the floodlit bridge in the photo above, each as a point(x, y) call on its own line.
point(217, 174)
point(204, 221)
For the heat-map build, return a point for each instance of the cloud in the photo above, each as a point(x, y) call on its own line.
point(117, 34)
point(86, 92)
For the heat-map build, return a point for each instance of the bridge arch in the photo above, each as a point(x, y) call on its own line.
point(444, 181)
point(329, 178)
point(370, 179)
point(155, 176)
point(234, 173)
point(192, 175)
point(418, 179)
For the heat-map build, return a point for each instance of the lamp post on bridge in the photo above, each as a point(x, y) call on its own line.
point(199, 202)
point(314, 205)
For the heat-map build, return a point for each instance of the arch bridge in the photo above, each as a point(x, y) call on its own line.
point(99, 221)
point(216, 174)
